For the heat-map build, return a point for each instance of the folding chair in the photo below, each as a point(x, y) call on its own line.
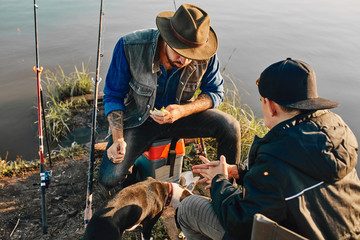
point(266, 229)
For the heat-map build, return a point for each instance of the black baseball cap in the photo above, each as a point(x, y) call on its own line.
point(292, 83)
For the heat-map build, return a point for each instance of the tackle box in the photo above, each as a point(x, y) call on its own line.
point(155, 162)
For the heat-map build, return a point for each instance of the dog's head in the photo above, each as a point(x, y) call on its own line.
point(177, 193)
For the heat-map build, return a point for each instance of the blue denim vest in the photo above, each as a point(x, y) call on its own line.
point(140, 50)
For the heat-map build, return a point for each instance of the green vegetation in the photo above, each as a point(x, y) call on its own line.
point(61, 87)
point(72, 152)
point(61, 103)
point(16, 168)
point(58, 119)
point(20, 167)
point(61, 93)
point(250, 126)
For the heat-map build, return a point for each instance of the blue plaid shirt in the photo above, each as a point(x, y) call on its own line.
point(119, 75)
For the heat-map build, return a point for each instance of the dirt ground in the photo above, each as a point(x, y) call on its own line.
point(20, 204)
point(20, 201)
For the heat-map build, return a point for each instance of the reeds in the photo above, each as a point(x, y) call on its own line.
point(62, 87)
point(61, 90)
point(249, 123)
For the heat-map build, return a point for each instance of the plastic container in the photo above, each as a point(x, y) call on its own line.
point(153, 163)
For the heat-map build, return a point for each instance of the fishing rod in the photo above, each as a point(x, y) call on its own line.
point(43, 174)
point(45, 127)
point(88, 208)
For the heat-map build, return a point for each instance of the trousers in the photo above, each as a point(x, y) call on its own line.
point(198, 220)
point(209, 123)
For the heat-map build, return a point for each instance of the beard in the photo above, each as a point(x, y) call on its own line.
point(174, 64)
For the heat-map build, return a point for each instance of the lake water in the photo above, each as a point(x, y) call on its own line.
point(252, 34)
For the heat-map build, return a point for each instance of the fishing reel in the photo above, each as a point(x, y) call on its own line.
point(45, 179)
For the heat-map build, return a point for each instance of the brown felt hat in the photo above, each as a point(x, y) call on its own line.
point(187, 31)
point(292, 83)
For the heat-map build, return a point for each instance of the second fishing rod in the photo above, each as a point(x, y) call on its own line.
point(88, 208)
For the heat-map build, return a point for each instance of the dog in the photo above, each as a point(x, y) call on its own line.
point(138, 204)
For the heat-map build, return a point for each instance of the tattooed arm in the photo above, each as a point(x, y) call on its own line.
point(117, 150)
point(201, 103)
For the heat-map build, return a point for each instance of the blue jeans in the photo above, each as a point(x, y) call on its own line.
point(198, 220)
point(210, 123)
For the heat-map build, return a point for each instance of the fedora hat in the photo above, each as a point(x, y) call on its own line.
point(187, 31)
point(292, 83)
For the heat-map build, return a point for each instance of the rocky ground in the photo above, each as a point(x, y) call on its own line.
point(20, 201)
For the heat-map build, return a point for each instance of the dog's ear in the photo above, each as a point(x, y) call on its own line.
point(185, 194)
point(182, 181)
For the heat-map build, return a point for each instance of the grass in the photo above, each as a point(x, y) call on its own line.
point(62, 87)
point(61, 92)
point(61, 103)
point(19, 167)
point(73, 152)
point(250, 124)
point(158, 232)
point(58, 120)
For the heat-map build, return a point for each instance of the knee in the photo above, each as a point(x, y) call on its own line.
point(234, 126)
point(230, 126)
point(183, 210)
point(106, 180)
point(108, 175)
point(189, 208)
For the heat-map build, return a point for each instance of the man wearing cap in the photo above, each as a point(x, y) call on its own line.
point(156, 68)
point(301, 174)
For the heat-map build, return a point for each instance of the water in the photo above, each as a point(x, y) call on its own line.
point(253, 34)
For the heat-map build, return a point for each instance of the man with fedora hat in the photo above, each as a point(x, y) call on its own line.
point(163, 68)
point(301, 174)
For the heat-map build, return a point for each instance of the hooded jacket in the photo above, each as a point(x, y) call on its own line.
point(302, 175)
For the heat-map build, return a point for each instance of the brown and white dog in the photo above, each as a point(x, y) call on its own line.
point(139, 204)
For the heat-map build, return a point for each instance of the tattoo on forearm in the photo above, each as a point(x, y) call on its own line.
point(116, 120)
point(204, 100)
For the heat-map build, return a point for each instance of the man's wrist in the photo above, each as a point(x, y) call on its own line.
point(118, 139)
point(233, 171)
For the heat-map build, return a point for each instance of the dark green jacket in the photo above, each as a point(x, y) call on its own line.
point(302, 175)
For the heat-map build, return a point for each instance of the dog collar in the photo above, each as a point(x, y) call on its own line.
point(169, 197)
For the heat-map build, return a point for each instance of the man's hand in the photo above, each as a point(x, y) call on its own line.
point(172, 113)
point(210, 169)
point(175, 111)
point(116, 151)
